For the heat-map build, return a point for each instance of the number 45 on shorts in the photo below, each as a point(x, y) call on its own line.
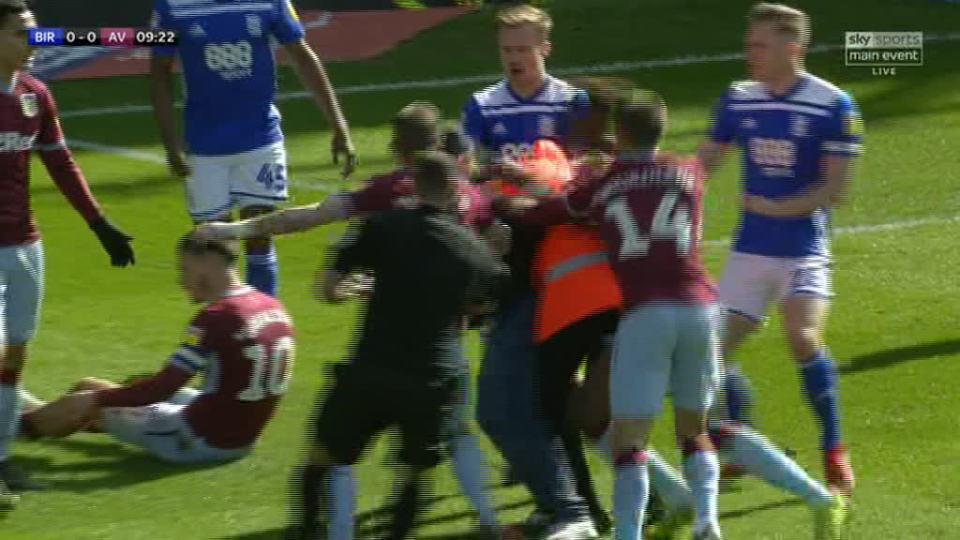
point(273, 176)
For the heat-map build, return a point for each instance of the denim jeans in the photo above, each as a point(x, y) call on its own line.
point(508, 411)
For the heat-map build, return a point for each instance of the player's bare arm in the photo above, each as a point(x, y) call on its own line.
point(712, 155)
point(831, 191)
point(161, 97)
point(313, 75)
point(286, 221)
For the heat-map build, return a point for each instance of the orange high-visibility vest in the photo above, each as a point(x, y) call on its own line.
point(573, 279)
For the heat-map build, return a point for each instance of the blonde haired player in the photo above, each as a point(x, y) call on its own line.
point(800, 135)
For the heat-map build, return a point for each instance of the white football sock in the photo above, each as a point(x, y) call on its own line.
point(631, 490)
point(342, 492)
point(469, 465)
point(664, 479)
point(758, 456)
point(668, 483)
point(702, 470)
point(9, 418)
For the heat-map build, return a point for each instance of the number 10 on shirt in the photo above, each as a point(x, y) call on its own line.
point(270, 370)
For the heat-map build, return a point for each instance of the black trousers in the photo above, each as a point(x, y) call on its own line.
point(559, 358)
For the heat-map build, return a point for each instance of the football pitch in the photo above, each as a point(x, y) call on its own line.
point(895, 326)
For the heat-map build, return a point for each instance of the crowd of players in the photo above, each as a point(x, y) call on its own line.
point(551, 220)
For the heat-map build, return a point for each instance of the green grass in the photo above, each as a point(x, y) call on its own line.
point(893, 328)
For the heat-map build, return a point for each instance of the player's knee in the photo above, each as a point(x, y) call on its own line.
point(632, 434)
point(804, 341)
point(734, 328)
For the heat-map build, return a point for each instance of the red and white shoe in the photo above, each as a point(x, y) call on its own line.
point(839, 471)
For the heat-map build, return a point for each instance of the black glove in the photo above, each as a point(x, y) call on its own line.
point(114, 241)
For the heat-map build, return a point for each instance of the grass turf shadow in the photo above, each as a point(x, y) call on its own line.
point(892, 357)
point(122, 467)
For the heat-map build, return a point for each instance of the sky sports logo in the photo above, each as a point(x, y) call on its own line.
point(884, 51)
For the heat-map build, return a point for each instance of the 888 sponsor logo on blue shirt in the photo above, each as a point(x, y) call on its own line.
point(231, 61)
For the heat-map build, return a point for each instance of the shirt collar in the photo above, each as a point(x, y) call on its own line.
point(533, 97)
point(238, 291)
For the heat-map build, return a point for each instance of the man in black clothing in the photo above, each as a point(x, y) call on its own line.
point(406, 366)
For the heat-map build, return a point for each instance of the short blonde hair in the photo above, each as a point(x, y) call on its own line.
point(518, 15)
point(786, 20)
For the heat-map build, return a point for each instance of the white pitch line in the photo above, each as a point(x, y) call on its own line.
point(611, 67)
point(865, 229)
point(327, 189)
point(141, 155)
point(131, 153)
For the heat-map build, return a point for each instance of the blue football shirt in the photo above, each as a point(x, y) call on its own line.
point(228, 69)
point(784, 140)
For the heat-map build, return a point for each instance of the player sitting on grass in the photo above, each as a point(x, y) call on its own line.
point(416, 128)
point(407, 367)
point(242, 340)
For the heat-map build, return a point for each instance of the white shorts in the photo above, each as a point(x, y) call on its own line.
point(661, 347)
point(161, 430)
point(218, 184)
point(21, 292)
point(752, 282)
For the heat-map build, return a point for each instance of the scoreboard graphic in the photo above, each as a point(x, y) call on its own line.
point(108, 37)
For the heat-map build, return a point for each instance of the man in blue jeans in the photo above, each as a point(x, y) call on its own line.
point(503, 121)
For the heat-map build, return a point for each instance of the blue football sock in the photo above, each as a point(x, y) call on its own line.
point(738, 394)
point(263, 270)
point(820, 385)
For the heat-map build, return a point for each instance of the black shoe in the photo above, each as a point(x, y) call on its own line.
point(16, 479)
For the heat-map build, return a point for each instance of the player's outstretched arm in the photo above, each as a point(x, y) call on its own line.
point(286, 221)
point(161, 97)
point(313, 75)
point(830, 191)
